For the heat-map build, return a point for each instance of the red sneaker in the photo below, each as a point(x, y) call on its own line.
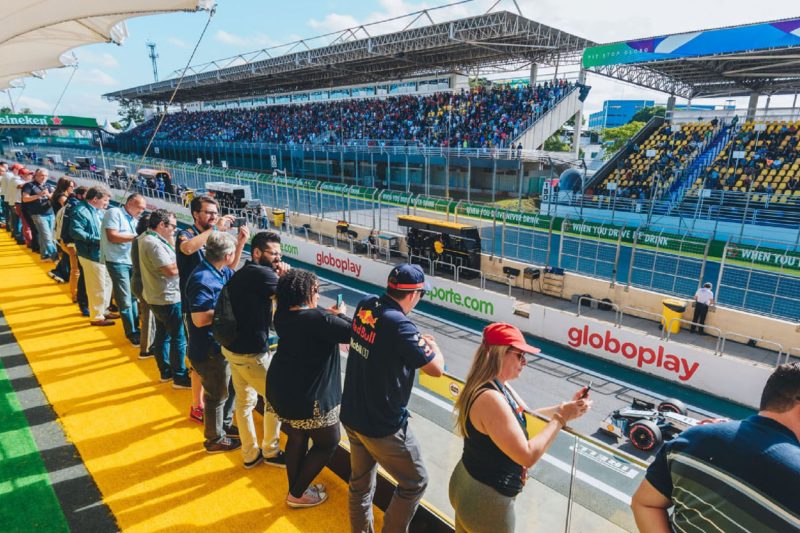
point(196, 414)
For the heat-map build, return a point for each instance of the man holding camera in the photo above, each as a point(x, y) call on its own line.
point(190, 244)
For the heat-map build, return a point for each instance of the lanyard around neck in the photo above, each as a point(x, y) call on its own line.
point(518, 411)
point(162, 239)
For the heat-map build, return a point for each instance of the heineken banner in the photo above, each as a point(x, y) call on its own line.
point(47, 121)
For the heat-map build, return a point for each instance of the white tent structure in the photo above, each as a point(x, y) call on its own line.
point(108, 128)
point(36, 34)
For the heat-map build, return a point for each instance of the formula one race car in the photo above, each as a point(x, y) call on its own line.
point(647, 425)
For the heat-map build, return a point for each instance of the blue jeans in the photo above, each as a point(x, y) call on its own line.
point(120, 274)
point(44, 227)
point(169, 344)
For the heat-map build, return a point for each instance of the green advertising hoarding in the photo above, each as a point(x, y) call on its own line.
point(770, 258)
point(47, 121)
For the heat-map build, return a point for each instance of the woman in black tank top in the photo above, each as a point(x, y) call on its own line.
point(497, 448)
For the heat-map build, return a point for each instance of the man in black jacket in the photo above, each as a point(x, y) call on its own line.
point(251, 290)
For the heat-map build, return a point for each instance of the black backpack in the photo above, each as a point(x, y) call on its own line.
point(223, 326)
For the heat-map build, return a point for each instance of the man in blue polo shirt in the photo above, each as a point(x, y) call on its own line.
point(386, 349)
point(118, 233)
point(202, 291)
point(731, 476)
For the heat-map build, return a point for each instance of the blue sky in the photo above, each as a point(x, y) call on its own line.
point(241, 26)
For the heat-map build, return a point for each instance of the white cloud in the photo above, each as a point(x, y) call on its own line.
point(105, 60)
point(35, 104)
point(258, 40)
point(95, 76)
point(333, 22)
point(178, 43)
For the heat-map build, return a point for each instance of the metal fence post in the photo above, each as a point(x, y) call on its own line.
point(703, 265)
point(564, 220)
point(616, 256)
point(549, 242)
point(633, 256)
point(722, 267)
point(503, 238)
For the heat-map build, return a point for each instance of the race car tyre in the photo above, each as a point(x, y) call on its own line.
point(645, 435)
point(671, 405)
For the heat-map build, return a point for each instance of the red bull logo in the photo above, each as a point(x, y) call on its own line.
point(366, 317)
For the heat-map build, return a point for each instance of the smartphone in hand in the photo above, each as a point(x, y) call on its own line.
point(339, 300)
point(585, 392)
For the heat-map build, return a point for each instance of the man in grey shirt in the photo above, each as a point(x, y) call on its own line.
point(161, 290)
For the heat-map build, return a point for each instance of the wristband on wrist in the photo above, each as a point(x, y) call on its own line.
point(560, 419)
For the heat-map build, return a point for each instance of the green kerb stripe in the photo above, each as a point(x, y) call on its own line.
point(28, 500)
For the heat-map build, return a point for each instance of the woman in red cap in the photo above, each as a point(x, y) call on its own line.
point(497, 451)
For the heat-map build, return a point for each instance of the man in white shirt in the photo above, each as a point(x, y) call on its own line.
point(703, 298)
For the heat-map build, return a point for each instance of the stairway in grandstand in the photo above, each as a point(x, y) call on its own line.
point(534, 136)
point(699, 164)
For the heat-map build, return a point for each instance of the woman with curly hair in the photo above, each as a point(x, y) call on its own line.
point(304, 386)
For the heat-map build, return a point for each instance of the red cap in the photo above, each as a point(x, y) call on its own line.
point(16, 166)
point(25, 171)
point(501, 334)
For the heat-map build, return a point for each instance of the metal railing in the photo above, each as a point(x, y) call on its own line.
point(755, 340)
point(605, 251)
point(581, 299)
point(666, 331)
point(621, 313)
point(481, 278)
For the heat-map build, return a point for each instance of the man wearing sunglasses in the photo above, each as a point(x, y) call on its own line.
point(190, 251)
point(386, 349)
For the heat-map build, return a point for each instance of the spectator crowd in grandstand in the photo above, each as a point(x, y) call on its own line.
point(478, 118)
point(653, 167)
point(770, 163)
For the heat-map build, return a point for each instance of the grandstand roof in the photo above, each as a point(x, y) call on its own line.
point(492, 39)
point(732, 61)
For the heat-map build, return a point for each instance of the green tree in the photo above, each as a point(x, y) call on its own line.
point(26, 111)
point(130, 110)
point(555, 144)
point(5, 110)
point(615, 138)
point(646, 113)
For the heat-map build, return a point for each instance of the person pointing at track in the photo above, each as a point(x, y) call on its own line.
point(386, 349)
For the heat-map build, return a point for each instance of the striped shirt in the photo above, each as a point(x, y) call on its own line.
point(734, 476)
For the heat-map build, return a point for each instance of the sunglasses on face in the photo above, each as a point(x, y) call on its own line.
point(520, 356)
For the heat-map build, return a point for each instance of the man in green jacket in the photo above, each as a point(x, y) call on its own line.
point(85, 224)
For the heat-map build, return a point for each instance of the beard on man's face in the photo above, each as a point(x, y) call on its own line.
point(264, 260)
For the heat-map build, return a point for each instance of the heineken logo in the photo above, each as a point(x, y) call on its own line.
point(43, 121)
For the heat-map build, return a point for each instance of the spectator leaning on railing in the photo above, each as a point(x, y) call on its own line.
point(730, 476)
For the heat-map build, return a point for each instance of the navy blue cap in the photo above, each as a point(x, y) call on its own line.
point(407, 277)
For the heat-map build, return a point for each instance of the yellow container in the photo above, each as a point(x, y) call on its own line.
point(278, 216)
point(672, 309)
